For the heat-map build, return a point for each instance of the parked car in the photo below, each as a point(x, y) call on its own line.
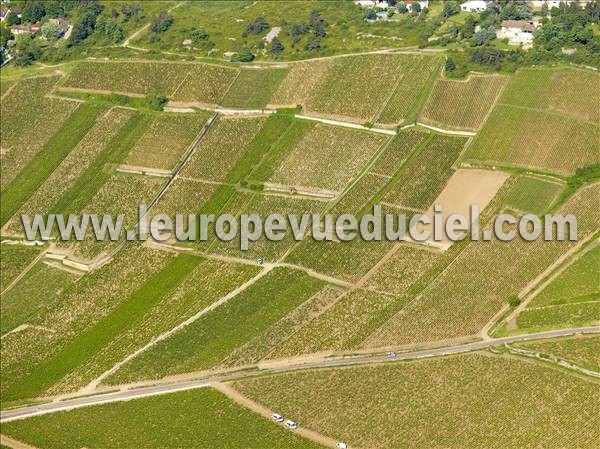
point(291, 424)
point(277, 417)
point(341, 445)
point(391, 355)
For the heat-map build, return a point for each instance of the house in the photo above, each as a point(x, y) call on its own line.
point(537, 4)
point(27, 28)
point(518, 32)
point(4, 12)
point(63, 26)
point(422, 4)
point(365, 3)
point(475, 5)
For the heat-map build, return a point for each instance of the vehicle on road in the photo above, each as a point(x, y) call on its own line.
point(291, 424)
point(341, 445)
point(391, 355)
point(277, 417)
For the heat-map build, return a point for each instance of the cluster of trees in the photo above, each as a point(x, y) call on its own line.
point(161, 22)
point(570, 26)
point(315, 28)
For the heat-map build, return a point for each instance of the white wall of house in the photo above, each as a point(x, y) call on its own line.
point(474, 6)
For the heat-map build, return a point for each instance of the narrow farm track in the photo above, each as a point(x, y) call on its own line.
point(242, 400)
point(153, 389)
point(14, 444)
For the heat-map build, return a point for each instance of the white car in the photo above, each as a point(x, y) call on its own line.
point(277, 417)
point(391, 355)
point(291, 424)
point(341, 445)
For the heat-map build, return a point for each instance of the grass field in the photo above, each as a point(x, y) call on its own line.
point(14, 259)
point(166, 140)
point(72, 314)
point(29, 120)
point(580, 350)
point(314, 161)
point(222, 147)
point(196, 418)
point(424, 176)
point(462, 105)
point(253, 88)
point(443, 402)
point(40, 167)
point(210, 339)
point(534, 195)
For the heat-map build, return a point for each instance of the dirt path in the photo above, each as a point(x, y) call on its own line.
point(25, 271)
point(242, 400)
point(448, 131)
point(14, 444)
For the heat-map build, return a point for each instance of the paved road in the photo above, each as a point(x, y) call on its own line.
point(124, 395)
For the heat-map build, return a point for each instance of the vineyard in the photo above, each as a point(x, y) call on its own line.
point(580, 350)
point(569, 91)
point(210, 339)
point(176, 293)
point(462, 105)
point(253, 88)
point(535, 195)
point(314, 161)
point(204, 83)
point(15, 258)
point(426, 402)
point(425, 175)
point(73, 166)
point(122, 194)
point(153, 423)
point(462, 299)
point(29, 119)
point(222, 147)
point(167, 139)
point(535, 139)
point(31, 355)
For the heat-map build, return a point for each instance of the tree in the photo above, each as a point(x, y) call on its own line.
point(276, 47)
point(50, 31)
point(450, 65)
point(198, 35)
point(415, 8)
point(33, 11)
point(313, 44)
point(12, 19)
point(392, 3)
point(468, 28)
point(317, 24)
point(5, 36)
point(157, 102)
point(54, 9)
point(514, 301)
point(161, 22)
point(482, 37)
point(450, 9)
point(402, 8)
point(27, 50)
point(82, 28)
point(243, 55)
point(257, 26)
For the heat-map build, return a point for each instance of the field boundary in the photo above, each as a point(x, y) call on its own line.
point(346, 124)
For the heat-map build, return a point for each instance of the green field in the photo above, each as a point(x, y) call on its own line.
point(197, 418)
point(444, 402)
point(210, 339)
point(583, 351)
